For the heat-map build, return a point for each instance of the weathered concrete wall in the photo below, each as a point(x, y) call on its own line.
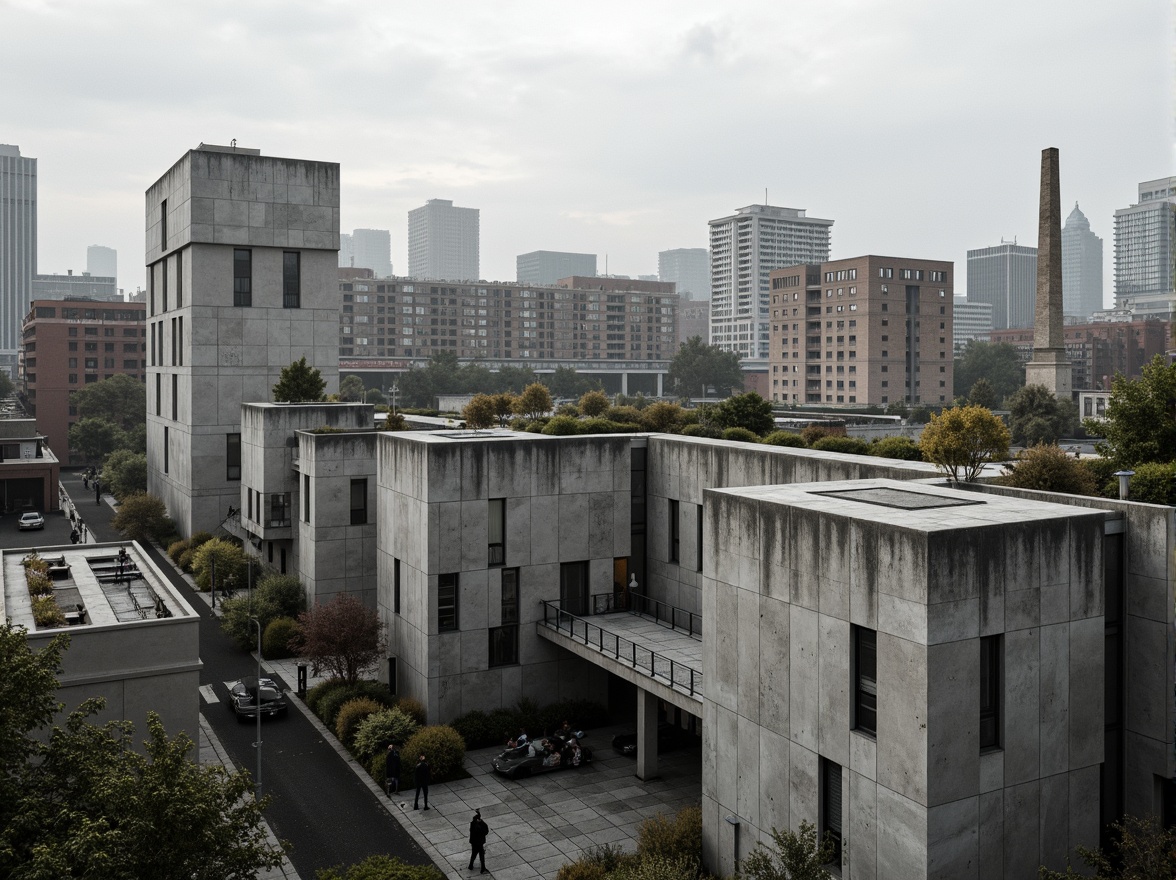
point(567, 500)
point(792, 572)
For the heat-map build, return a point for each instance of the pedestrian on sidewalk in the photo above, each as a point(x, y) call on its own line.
point(392, 771)
point(478, 831)
point(421, 774)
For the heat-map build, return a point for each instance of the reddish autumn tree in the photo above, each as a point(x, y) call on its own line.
point(343, 637)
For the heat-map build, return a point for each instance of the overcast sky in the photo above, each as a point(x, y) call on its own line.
point(606, 127)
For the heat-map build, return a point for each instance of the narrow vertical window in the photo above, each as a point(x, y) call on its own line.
point(698, 540)
point(163, 283)
point(675, 537)
point(180, 338)
point(151, 291)
point(175, 397)
point(395, 586)
point(991, 657)
point(865, 679)
point(242, 277)
point(166, 450)
point(179, 280)
point(291, 280)
point(163, 225)
point(504, 639)
point(233, 463)
point(173, 340)
point(158, 394)
point(152, 343)
point(830, 795)
point(306, 497)
point(359, 502)
point(249, 511)
point(496, 532)
point(447, 603)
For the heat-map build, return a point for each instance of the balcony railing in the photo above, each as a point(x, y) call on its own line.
point(642, 659)
point(646, 606)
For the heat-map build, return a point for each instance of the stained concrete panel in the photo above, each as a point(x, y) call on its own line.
point(902, 836)
point(953, 736)
point(902, 717)
point(863, 828)
point(953, 851)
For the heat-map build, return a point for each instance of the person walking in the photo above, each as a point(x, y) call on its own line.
point(421, 774)
point(478, 831)
point(392, 771)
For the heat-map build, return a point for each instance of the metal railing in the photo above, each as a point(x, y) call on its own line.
point(647, 606)
point(655, 665)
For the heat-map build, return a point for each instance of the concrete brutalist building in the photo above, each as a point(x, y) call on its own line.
point(242, 253)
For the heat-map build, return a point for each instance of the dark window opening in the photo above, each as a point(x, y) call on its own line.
point(675, 536)
point(242, 277)
point(447, 603)
point(233, 461)
point(865, 677)
point(830, 795)
point(496, 532)
point(991, 651)
point(359, 502)
point(291, 280)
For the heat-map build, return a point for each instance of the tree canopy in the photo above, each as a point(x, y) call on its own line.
point(535, 401)
point(124, 473)
point(1140, 422)
point(1037, 415)
point(566, 382)
point(479, 412)
point(748, 411)
point(343, 637)
point(444, 374)
point(79, 800)
point(299, 383)
point(961, 440)
point(351, 389)
point(1051, 469)
point(998, 362)
point(119, 399)
point(93, 438)
point(698, 366)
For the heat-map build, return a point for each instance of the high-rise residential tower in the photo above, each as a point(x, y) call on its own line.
point(1145, 250)
point(346, 250)
point(102, 262)
point(745, 247)
point(18, 247)
point(548, 267)
point(443, 242)
point(689, 268)
point(1082, 267)
point(372, 249)
point(1005, 277)
point(241, 282)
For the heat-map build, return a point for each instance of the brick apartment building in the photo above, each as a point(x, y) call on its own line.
point(67, 344)
point(864, 331)
point(1099, 351)
point(617, 327)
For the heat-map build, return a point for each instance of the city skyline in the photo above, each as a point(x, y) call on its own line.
point(475, 131)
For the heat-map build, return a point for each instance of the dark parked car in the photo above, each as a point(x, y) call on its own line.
point(542, 756)
point(244, 698)
point(669, 737)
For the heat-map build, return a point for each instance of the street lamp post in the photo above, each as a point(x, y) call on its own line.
point(257, 744)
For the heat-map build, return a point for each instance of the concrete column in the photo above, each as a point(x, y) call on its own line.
point(660, 385)
point(646, 735)
point(624, 383)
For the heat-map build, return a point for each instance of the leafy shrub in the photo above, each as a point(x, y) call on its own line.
point(330, 704)
point(561, 426)
point(381, 868)
point(1102, 470)
point(813, 433)
point(35, 563)
point(413, 708)
point(568, 409)
point(474, 728)
point(1049, 468)
point(377, 767)
point(629, 415)
point(378, 730)
point(582, 714)
point(702, 431)
point(316, 694)
point(743, 435)
point(175, 548)
point(582, 869)
point(903, 448)
point(606, 426)
point(658, 867)
point(848, 445)
point(672, 838)
point(230, 563)
point(185, 560)
point(784, 438)
point(275, 643)
point(46, 613)
point(1153, 483)
point(483, 729)
point(351, 714)
point(39, 584)
point(143, 517)
point(443, 748)
point(274, 596)
point(503, 724)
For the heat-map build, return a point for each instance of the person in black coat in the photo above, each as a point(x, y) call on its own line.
point(422, 782)
point(392, 770)
point(478, 831)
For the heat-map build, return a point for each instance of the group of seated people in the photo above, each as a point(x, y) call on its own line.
point(562, 747)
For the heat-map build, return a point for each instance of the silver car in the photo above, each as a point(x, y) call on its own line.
point(31, 520)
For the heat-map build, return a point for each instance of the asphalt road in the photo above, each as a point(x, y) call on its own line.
point(318, 806)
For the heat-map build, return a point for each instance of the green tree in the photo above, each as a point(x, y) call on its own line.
point(229, 561)
point(698, 366)
point(299, 383)
point(983, 394)
point(7, 389)
point(513, 379)
point(1140, 423)
point(375, 397)
point(747, 410)
point(1049, 468)
point(94, 438)
point(343, 637)
point(503, 407)
point(535, 401)
point(119, 399)
point(1141, 849)
point(792, 855)
point(143, 518)
point(998, 362)
point(273, 596)
point(82, 801)
point(124, 473)
point(961, 440)
point(663, 417)
point(593, 403)
point(1036, 415)
point(479, 412)
point(566, 382)
point(351, 389)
